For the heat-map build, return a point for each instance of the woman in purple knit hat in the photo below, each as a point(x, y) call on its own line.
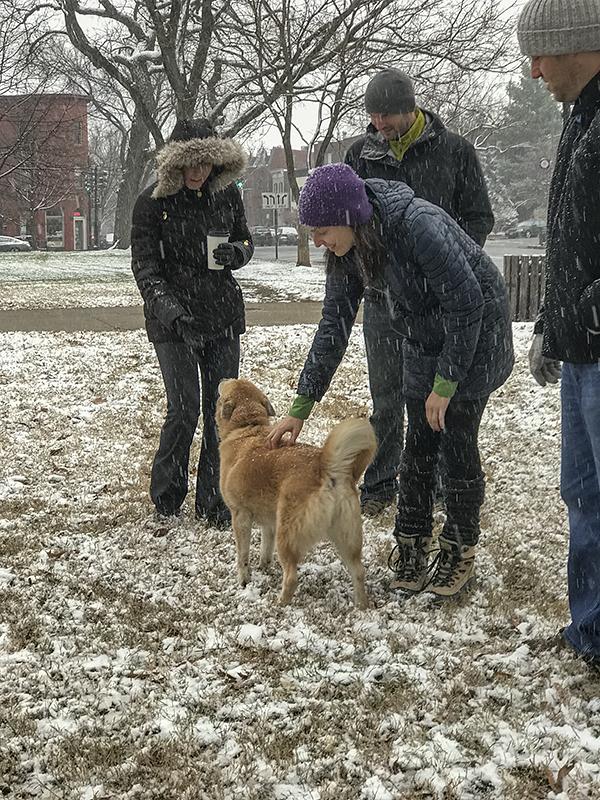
point(450, 304)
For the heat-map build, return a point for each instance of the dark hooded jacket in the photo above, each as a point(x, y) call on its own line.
point(445, 296)
point(570, 314)
point(441, 167)
point(168, 241)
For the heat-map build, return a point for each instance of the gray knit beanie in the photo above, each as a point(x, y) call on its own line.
point(390, 92)
point(557, 27)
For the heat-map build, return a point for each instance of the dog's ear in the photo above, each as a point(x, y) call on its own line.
point(227, 410)
point(269, 407)
point(222, 385)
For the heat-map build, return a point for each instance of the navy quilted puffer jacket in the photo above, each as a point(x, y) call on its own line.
point(444, 294)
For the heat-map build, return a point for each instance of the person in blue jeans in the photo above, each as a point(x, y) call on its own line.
point(406, 143)
point(194, 309)
point(449, 303)
point(563, 41)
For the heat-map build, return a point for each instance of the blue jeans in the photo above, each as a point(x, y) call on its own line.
point(385, 363)
point(217, 359)
point(580, 489)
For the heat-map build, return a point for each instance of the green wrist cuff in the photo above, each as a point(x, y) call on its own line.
point(301, 407)
point(444, 388)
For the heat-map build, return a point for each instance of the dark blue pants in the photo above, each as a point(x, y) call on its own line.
point(217, 359)
point(580, 489)
point(384, 360)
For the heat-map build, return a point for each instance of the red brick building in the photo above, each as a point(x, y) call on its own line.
point(43, 169)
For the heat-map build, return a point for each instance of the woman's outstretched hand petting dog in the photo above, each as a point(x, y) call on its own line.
point(289, 425)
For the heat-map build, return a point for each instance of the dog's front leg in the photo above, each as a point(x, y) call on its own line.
point(242, 527)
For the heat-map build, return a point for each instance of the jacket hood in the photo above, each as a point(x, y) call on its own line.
point(389, 200)
point(225, 154)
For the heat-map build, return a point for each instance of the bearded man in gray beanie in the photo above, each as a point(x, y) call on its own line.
point(563, 40)
point(409, 144)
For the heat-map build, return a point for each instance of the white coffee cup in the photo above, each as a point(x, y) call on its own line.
point(213, 240)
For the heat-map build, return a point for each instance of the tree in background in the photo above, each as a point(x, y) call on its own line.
point(518, 153)
point(240, 64)
point(325, 59)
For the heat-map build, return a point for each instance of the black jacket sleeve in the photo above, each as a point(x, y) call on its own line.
point(340, 307)
point(352, 156)
point(473, 205)
point(240, 235)
point(146, 262)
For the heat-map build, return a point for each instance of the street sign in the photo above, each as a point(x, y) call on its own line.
point(274, 200)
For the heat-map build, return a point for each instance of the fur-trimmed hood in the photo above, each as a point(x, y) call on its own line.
point(174, 156)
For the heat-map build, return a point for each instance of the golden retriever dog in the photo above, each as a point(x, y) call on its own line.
point(298, 495)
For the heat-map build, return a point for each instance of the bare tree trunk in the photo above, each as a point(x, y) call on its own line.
point(134, 169)
point(303, 249)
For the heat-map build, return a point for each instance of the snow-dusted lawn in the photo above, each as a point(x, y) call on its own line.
point(132, 666)
point(104, 278)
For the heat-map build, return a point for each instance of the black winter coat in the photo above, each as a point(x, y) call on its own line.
point(570, 314)
point(445, 296)
point(169, 261)
point(441, 167)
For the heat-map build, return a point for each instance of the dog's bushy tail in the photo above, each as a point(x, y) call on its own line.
point(349, 449)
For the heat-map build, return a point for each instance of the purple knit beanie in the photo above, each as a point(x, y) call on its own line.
point(333, 195)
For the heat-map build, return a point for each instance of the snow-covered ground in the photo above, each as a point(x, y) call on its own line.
point(104, 278)
point(133, 666)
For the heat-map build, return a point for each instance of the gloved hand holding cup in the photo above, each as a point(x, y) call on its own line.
point(217, 241)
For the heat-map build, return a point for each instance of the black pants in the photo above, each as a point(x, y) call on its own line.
point(462, 476)
point(384, 360)
point(217, 359)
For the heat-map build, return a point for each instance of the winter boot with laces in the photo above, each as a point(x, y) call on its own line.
point(408, 561)
point(454, 568)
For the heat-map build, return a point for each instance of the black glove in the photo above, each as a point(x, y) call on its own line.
point(544, 370)
point(226, 254)
point(185, 328)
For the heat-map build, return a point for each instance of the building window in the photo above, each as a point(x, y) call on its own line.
point(55, 229)
point(78, 132)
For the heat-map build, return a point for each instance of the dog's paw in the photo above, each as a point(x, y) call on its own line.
point(243, 577)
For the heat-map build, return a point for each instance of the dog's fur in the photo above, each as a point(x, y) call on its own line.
point(298, 495)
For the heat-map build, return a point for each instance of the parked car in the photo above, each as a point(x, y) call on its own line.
point(261, 236)
point(525, 230)
point(11, 244)
point(287, 235)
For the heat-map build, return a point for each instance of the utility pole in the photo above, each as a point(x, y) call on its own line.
point(95, 208)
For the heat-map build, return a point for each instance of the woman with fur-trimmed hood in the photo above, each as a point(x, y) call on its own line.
point(194, 315)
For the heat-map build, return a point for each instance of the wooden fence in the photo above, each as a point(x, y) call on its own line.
point(524, 278)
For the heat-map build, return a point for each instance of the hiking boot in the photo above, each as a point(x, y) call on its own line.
point(453, 569)
point(408, 560)
point(373, 507)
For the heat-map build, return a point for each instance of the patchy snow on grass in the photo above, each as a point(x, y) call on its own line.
point(133, 666)
point(104, 278)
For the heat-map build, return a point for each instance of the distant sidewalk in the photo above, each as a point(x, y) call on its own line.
point(132, 317)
